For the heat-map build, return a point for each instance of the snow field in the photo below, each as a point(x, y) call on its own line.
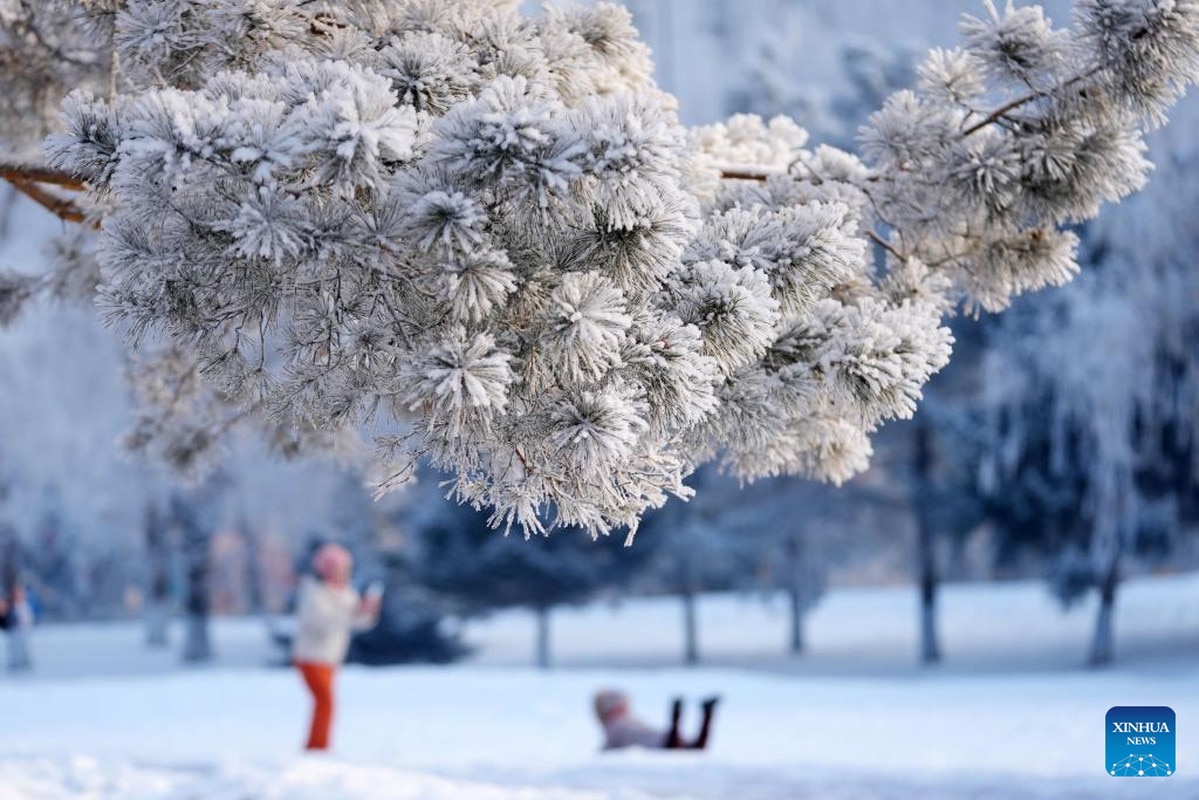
point(1009, 728)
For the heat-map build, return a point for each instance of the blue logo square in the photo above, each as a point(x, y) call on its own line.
point(1140, 742)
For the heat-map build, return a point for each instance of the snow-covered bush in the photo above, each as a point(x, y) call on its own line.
point(485, 239)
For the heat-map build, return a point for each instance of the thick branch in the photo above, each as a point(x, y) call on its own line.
point(56, 51)
point(28, 173)
point(883, 243)
point(1024, 100)
point(58, 206)
point(745, 175)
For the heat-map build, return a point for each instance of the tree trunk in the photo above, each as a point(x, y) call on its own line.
point(198, 570)
point(157, 612)
point(795, 589)
point(196, 645)
point(1103, 643)
point(255, 599)
point(19, 657)
point(688, 589)
point(690, 628)
point(543, 638)
point(158, 628)
point(930, 648)
point(926, 552)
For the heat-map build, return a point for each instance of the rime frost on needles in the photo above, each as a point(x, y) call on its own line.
point(485, 238)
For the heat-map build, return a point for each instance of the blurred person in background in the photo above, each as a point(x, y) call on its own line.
point(328, 611)
point(21, 611)
point(16, 618)
point(623, 729)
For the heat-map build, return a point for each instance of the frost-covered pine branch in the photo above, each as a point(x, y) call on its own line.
point(183, 423)
point(1022, 130)
point(47, 48)
point(1097, 388)
point(487, 237)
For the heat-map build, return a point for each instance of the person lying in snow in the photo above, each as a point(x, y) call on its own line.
point(623, 729)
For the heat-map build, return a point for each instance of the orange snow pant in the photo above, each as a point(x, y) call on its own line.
point(319, 679)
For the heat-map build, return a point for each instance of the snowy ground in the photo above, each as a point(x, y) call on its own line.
point(849, 721)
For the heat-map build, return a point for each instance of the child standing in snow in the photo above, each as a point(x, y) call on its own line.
point(623, 729)
point(327, 612)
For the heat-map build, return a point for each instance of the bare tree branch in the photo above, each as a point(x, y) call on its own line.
point(58, 206)
point(1003, 110)
point(746, 174)
point(883, 243)
point(26, 173)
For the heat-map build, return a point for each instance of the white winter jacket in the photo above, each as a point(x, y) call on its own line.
point(628, 731)
point(325, 617)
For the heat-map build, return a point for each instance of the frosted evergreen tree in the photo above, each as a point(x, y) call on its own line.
point(942, 492)
point(704, 545)
point(459, 560)
point(74, 499)
point(874, 70)
point(52, 569)
point(1092, 398)
point(483, 239)
point(194, 515)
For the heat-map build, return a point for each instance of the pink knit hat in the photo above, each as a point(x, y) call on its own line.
point(332, 560)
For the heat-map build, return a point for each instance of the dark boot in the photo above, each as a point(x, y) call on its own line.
point(674, 739)
point(705, 727)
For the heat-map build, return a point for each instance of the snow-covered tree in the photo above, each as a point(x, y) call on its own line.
point(194, 514)
point(157, 597)
point(943, 450)
point(52, 570)
point(44, 47)
point(873, 70)
point(483, 238)
point(74, 500)
point(708, 544)
point(773, 83)
point(1093, 396)
point(459, 559)
point(771, 541)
